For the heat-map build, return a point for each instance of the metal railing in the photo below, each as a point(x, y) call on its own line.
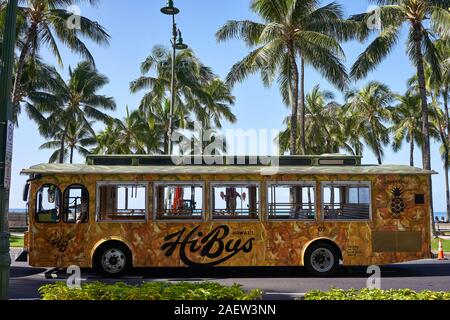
point(304, 211)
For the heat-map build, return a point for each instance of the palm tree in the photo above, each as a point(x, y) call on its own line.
point(191, 76)
point(141, 131)
point(419, 15)
point(217, 105)
point(370, 108)
point(156, 119)
point(292, 32)
point(37, 79)
point(74, 101)
point(323, 125)
point(200, 93)
point(44, 23)
point(439, 123)
point(407, 123)
point(78, 137)
point(441, 86)
point(123, 136)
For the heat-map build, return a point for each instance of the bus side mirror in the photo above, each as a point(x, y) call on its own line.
point(26, 189)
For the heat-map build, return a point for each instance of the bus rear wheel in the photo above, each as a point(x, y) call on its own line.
point(113, 260)
point(321, 259)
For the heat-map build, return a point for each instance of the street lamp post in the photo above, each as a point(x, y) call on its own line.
point(6, 128)
point(177, 44)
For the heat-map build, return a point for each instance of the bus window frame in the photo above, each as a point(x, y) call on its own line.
point(157, 184)
point(257, 184)
point(364, 183)
point(305, 183)
point(64, 213)
point(36, 215)
point(120, 183)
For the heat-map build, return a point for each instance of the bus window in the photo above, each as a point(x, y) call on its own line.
point(48, 204)
point(179, 201)
point(76, 204)
point(346, 201)
point(292, 201)
point(122, 202)
point(235, 201)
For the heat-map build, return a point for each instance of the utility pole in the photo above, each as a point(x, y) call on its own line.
point(6, 136)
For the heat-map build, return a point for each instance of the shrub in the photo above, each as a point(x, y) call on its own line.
point(148, 291)
point(375, 294)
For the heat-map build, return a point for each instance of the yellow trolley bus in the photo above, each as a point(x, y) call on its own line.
point(119, 212)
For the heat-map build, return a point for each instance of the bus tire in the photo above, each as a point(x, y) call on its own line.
point(321, 259)
point(113, 259)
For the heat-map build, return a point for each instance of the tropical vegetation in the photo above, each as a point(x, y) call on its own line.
point(148, 291)
point(292, 34)
point(45, 23)
point(376, 294)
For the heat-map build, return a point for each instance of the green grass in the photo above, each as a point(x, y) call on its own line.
point(16, 242)
point(445, 245)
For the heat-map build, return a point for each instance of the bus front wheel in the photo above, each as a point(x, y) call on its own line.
point(321, 259)
point(113, 259)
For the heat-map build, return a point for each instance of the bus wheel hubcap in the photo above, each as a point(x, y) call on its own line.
point(113, 260)
point(322, 260)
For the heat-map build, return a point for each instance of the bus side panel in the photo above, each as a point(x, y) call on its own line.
point(387, 238)
point(401, 221)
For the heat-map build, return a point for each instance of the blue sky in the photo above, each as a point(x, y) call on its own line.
point(136, 26)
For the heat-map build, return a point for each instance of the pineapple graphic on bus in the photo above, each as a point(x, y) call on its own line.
point(397, 204)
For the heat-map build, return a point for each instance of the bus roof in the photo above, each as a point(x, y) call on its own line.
point(165, 160)
point(225, 169)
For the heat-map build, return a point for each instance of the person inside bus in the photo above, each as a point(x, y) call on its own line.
point(326, 211)
point(82, 217)
point(231, 199)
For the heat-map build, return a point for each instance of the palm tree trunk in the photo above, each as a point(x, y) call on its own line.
point(447, 115)
point(71, 154)
point(166, 144)
point(302, 107)
point(411, 150)
point(380, 161)
point(21, 64)
point(423, 95)
point(295, 89)
point(426, 156)
point(61, 146)
point(447, 190)
point(446, 156)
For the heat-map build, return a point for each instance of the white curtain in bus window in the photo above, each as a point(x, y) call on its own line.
point(122, 202)
point(346, 201)
point(76, 204)
point(48, 204)
point(179, 202)
point(295, 202)
point(235, 202)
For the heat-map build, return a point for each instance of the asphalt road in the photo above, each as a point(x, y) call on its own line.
point(276, 283)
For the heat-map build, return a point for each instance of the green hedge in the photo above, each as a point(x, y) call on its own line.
point(148, 291)
point(375, 294)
